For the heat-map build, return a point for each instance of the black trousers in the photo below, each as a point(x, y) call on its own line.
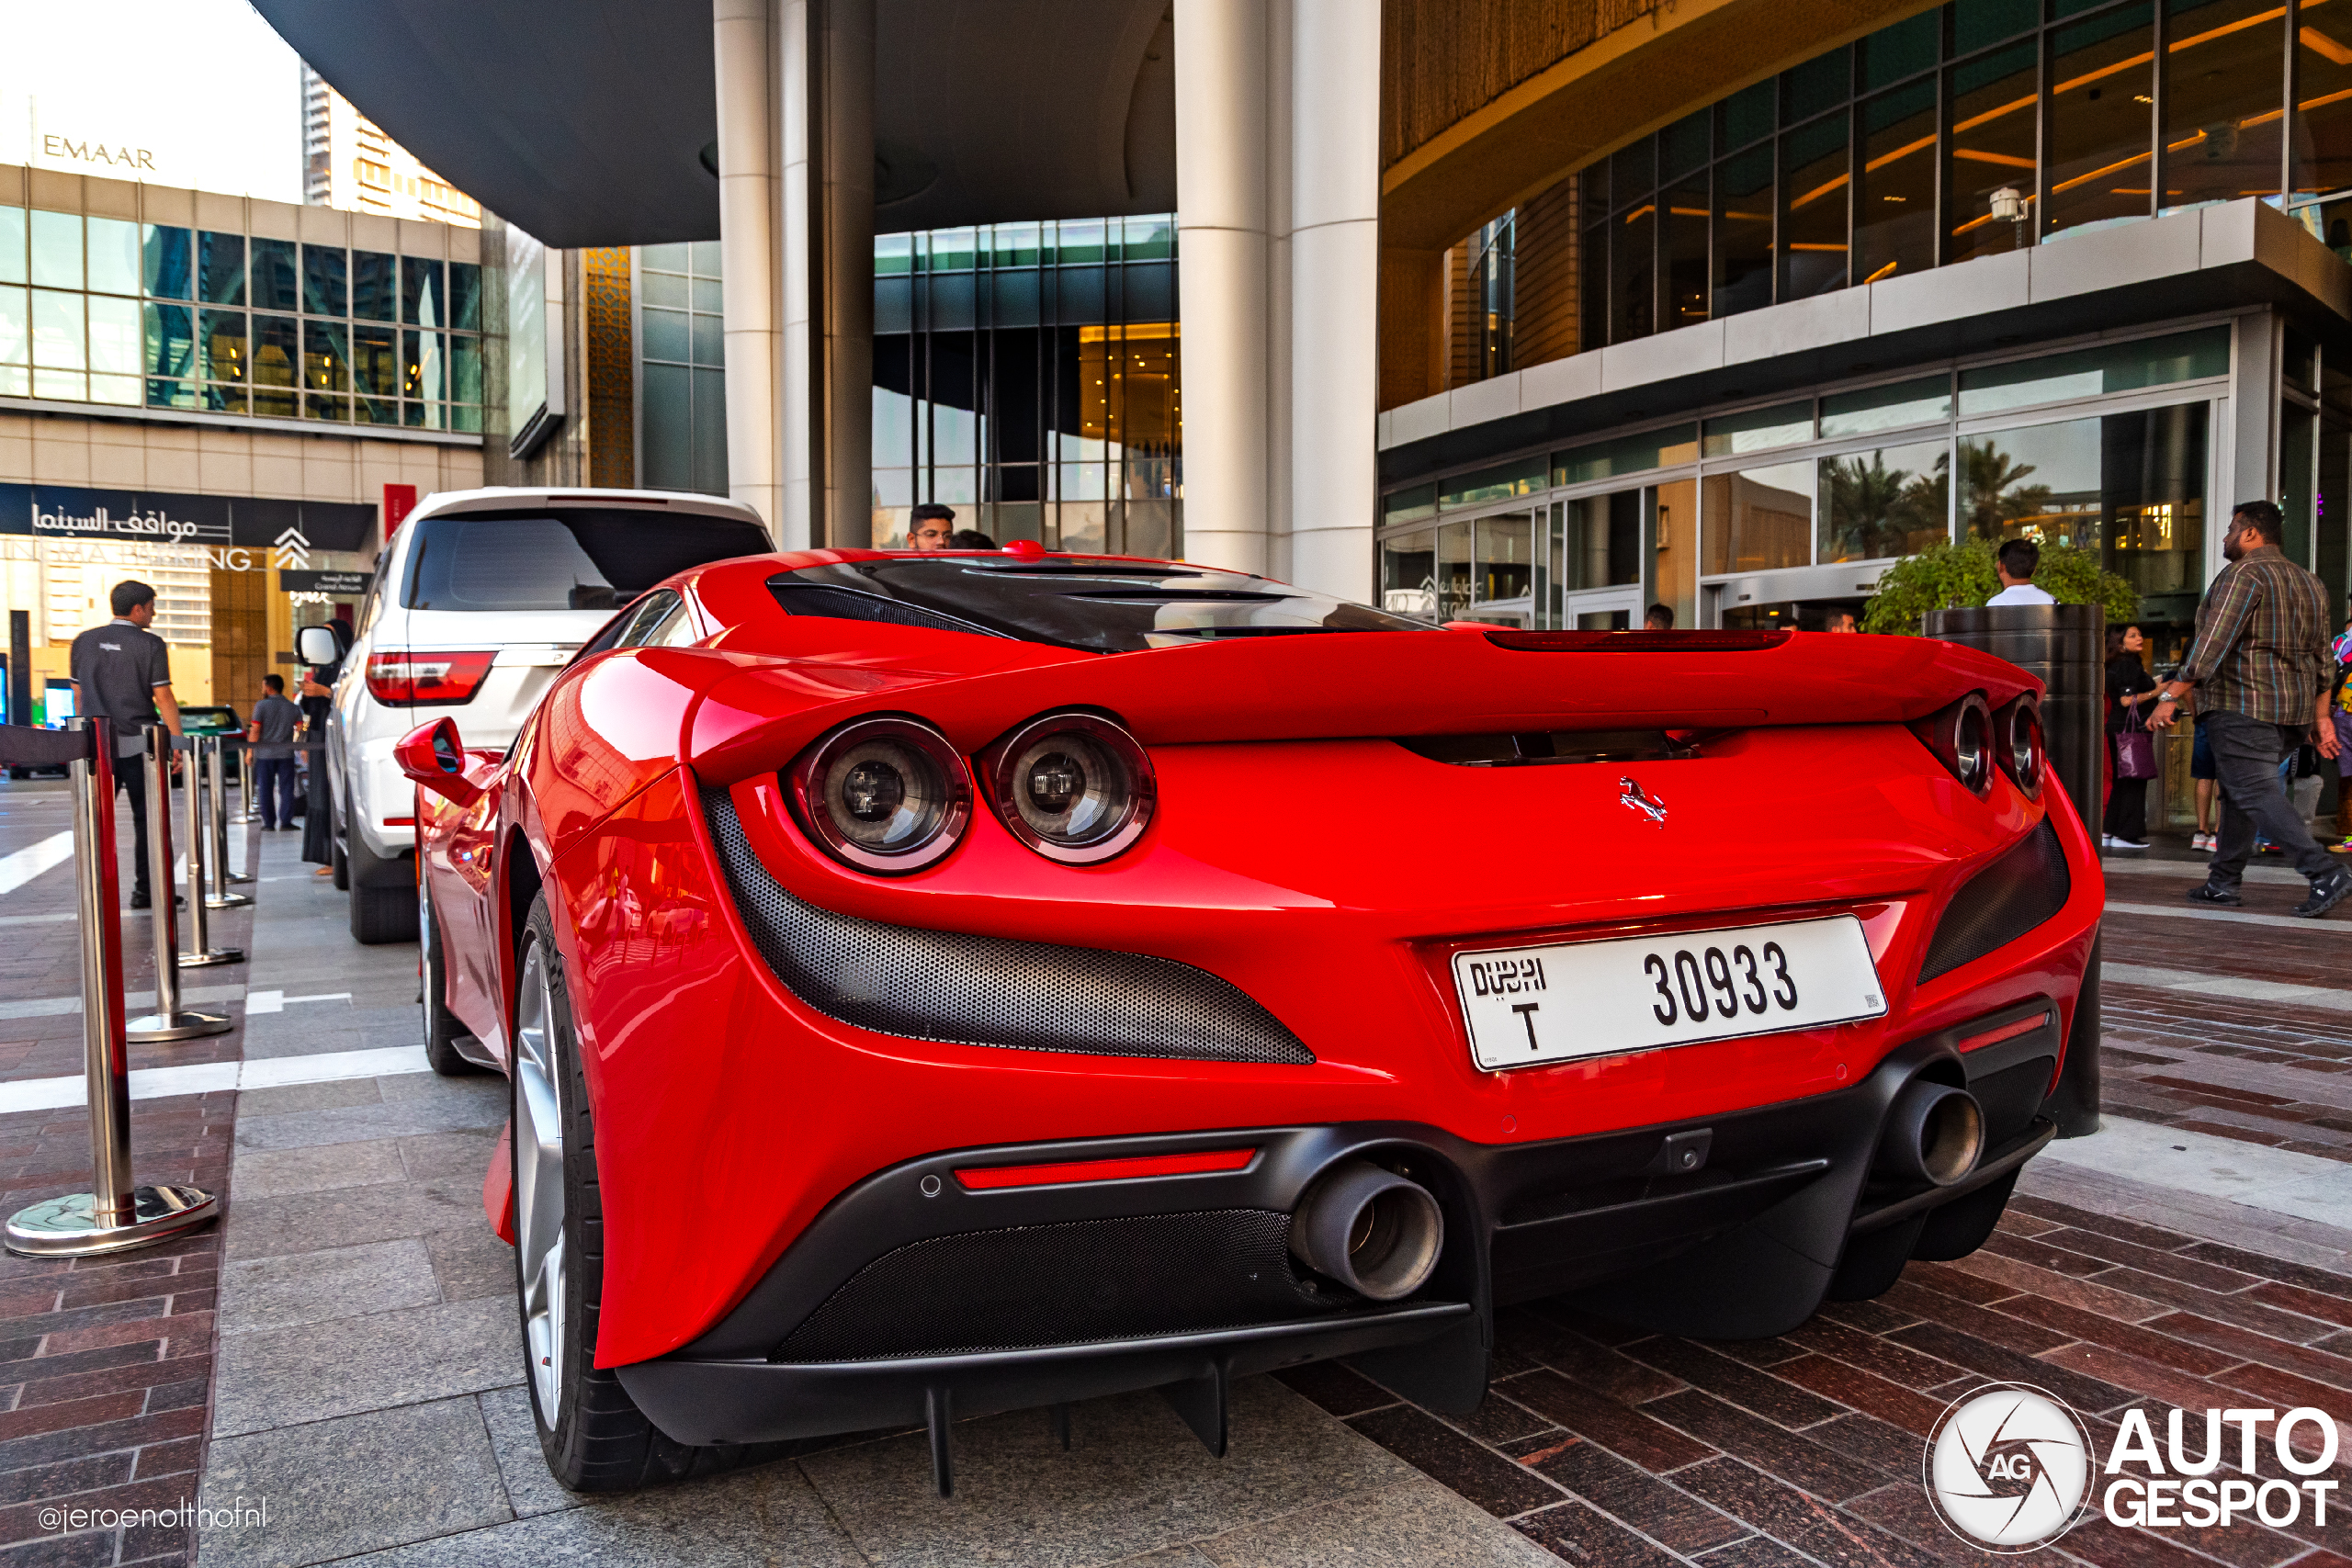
point(131, 772)
point(2246, 753)
point(2127, 811)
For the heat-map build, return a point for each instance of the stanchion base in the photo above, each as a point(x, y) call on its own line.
point(69, 1227)
point(158, 1027)
point(212, 957)
point(226, 900)
point(239, 876)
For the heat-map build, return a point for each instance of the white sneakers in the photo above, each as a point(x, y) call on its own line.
point(2115, 842)
point(2206, 841)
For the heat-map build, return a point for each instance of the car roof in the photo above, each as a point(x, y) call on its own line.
point(508, 498)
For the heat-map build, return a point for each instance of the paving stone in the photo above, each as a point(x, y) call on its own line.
point(357, 1484)
point(289, 1098)
point(471, 1261)
point(450, 1154)
point(1415, 1523)
point(514, 1438)
point(1468, 1468)
point(345, 1216)
point(285, 1376)
point(1115, 1493)
point(768, 1515)
point(355, 1124)
point(259, 1294)
point(269, 1173)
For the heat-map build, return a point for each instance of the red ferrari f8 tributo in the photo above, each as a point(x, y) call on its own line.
point(942, 983)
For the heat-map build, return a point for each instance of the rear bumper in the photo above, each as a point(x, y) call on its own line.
point(912, 1292)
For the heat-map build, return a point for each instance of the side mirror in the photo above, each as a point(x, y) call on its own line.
point(316, 646)
point(434, 759)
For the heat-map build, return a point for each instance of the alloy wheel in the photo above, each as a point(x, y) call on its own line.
point(538, 1182)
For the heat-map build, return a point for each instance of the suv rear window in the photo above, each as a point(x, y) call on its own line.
point(1106, 607)
point(573, 558)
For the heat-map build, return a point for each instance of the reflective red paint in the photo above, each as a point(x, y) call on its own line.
point(1297, 852)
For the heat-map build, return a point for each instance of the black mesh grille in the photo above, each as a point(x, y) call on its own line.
point(2001, 903)
point(982, 990)
point(1064, 1284)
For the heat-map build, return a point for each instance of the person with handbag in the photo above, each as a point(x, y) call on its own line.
point(2129, 692)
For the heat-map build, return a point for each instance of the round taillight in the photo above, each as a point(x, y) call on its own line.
point(883, 795)
point(1972, 745)
point(2022, 751)
point(1073, 787)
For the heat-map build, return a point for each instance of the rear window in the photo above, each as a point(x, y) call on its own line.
point(563, 557)
point(1106, 607)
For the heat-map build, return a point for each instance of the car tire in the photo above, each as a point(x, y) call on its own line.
point(441, 1026)
point(592, 1434)
point(379, 915)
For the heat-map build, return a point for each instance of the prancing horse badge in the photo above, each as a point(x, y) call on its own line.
point(1632, 799)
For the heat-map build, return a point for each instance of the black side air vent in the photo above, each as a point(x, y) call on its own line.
point(979, 991)
point(2001, 903)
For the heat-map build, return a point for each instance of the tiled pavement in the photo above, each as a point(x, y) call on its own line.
point(367, 1387)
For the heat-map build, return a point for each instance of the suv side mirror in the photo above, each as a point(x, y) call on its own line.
point(433, 757)
point(316, 646)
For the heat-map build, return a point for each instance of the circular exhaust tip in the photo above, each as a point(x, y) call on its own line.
point(1374, 1231)
point(1934, 1133)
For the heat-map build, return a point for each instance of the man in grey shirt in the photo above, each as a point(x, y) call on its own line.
point(122, 672)
point(271, 732)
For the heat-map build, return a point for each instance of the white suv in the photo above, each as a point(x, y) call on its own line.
point(479, 599)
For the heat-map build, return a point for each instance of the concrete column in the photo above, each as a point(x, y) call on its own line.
point(847, 258)
point(1334, 296)
point(747, 245)
point(798, 350)
point(1221, 114)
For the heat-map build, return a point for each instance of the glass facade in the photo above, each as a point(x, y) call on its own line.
point(107, 310)
point(681, 368)
point(2106, 447)
point(1025, 374)
point(1981, 126)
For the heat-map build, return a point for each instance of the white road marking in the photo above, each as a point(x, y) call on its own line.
point(2279, 1181)
point(210, 1077)
point(2226, 986)
point(2293, 922)
point(23, 866)
point(55, 1006)
point(279, 1002)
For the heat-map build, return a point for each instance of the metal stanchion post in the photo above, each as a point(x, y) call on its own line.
point(200, 952)
point(217, 799)
point(118, 1213)
point(249, 809)
point(169, 1020)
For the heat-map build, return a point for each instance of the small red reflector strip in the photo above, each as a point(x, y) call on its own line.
point(984, 1177)
point(2006, 1032)
point(399, 821)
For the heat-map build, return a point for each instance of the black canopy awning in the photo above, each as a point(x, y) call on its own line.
point(584, 122)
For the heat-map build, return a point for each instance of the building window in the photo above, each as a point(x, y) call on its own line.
point(1972, 130)
point(1026, 374)
point(681, 368)
point(153, 315)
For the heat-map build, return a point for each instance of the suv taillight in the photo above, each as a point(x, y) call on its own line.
point(417, 679)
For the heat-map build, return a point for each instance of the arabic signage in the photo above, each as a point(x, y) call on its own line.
point(291, 527)
point(350, 584)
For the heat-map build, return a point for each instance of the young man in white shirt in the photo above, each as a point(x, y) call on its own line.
point(2015, 566)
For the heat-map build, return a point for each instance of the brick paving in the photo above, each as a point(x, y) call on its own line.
point(105, 1363)
point(1609, 1445)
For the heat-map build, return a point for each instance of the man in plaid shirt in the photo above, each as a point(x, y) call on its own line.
point(2263, 670)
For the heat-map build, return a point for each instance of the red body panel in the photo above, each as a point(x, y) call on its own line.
point(1326, 870)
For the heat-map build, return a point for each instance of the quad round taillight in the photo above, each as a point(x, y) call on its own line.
point(2017, 729)
point(1076, 787)
point(1962, 738)
point(887, 794)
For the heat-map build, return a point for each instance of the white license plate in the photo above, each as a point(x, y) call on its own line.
point(1564, 1000)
